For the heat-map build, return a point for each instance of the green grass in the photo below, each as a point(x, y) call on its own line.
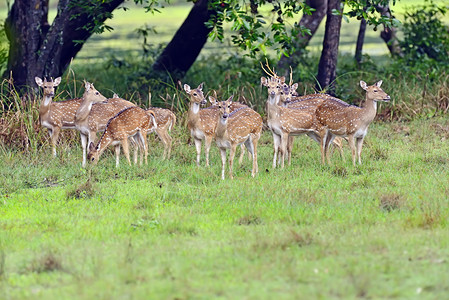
point(174, 230)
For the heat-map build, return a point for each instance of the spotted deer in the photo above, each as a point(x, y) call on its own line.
point(94, 113)
point(55, 115)
point(243, 125)
point(283, 121)
point(201, 122)
point(130, 122)
point(344, 120)
point(307, 103)
point(165, 120)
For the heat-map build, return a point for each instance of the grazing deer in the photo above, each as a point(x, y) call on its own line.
point(94, 113)
point(130, 122)
point(165, 120)
point(201, 122)
point(309, 104)
point(243, 125)
point(55, 115)
point(283, 121)
point(344, 120)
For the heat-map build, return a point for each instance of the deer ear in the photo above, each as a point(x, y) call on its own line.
point(363, 85)
point(86, 85)
point(212, 100)
point(282, 79)
point(91, 146)
point(200, 87)
point(263, 81)
point(379, 83)
point(38, 81)
point(295, 86)
point(230, 99)
point(115, 96)
point(187, 88)
point(57, 81)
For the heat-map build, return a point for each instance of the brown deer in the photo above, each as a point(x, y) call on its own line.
point(344, 120)
point(201, 122)
point(309, 104)
point(243, 125)
point(283, 121)
point(130, 122)
point(165, 120)
point(94, 113)
point(55, 115)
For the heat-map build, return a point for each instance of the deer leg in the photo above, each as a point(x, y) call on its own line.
point(136, 146)
point(353, 149)
point(54, 134)
point(284, 142)
point(323, 134)
point(198, 150)
point(84, 147)
point(359, 149)
point(117, 155)
point(161, 134)
point(242, 153)
point(291, 139)
point(144, 139)
point(169, 141)
point(223, 162)
point(126, 149)
point(208, 142)
point(231, 160)
point(329, 140)
point(276, 144)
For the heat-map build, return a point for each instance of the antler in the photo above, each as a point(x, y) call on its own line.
point(291, 76)
point(271, 73)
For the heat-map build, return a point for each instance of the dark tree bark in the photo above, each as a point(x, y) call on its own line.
point(38, 49)
point(389, 34)
point(312, 22)
point(360, 41)
point(327, 67)
point(182, 51)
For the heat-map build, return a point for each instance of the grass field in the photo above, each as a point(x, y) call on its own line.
point(172, 230)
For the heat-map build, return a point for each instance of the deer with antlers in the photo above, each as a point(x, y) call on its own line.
point(344, 120)
point(242, 126)
point(55, 115)
point(94, 113)
point(130, 122)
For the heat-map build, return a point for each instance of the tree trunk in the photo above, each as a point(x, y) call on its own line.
point(38, 49)
point(312, 22)
point(182, 51)
point(389, 34)
point(327, 67)
point(360, 40)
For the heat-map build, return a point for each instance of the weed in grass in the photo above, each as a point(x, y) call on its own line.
point(83, 191)
point(339, 171)
point(48, 262)
point(2, 264)
point(390, 202)
point(283, 241)
point(431, 215)
point(249, 220)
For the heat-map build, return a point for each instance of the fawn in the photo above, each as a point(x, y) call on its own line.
point(233, 128)
point(55, 115)
point(130, 122)
point(344, 120)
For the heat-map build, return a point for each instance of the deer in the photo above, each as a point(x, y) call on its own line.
point(201, 122)
point(283, 121)
point(308, 103)
point(340, 119)
point(94, 113)
point(233, 128)
point(55, 115)
point(129, 122)
point(165, 120)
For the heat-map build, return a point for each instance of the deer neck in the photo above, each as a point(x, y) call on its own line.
point(272, 108)
point(82, 114)
point(45, 106)
point(104, 142)
point(222, 127)
point(193, 114)
point(369, 110)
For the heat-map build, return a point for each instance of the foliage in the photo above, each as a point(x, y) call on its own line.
point(258, 28)
point(4, 47)
point(426, 37)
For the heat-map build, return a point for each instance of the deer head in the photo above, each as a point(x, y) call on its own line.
point(94, 154)
point(91, 94)
point(274, 84)
point(374, 92)
point(287, 93)
point(196, 95)
point(48, 86)
point(225, 108)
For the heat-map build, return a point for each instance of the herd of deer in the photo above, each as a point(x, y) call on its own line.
point(325, 119)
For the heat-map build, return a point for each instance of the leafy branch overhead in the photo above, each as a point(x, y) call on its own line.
point(259, 24)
